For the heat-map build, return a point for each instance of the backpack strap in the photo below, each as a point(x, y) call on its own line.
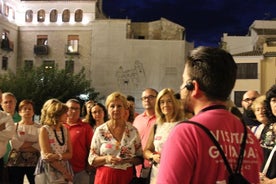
point(210, 135)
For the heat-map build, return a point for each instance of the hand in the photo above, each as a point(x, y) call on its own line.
point(264, 179)
point(156, 157)
point(50, 157)
point(113, 160)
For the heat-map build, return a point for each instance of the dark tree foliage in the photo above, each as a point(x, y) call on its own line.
point(40, 84)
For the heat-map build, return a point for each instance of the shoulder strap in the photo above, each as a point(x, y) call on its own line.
point(269, 160)
point(240, 159)
point(154, 128)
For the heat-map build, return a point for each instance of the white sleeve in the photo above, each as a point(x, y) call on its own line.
point(9, 130)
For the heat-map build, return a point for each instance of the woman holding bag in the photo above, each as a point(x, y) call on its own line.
point(55, 145)
point(25, 148)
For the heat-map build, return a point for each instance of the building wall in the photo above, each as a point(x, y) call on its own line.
point(237, 44)
point(260, 33)
point(57, 40)
point(247, 84)
point(130, 65)
point(13, 37)
point(113, 59)
point(268, 69)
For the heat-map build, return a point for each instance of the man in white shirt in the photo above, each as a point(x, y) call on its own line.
point(7, 129)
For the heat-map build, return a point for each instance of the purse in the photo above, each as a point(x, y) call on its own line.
point(145, 171)
point(22, 159)
point(52, 175)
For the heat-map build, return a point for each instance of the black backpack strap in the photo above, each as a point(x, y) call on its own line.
point(240, 159)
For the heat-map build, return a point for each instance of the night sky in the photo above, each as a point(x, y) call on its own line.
point(205, 20)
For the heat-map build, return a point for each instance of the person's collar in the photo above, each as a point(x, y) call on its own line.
point(145, 114)
point(211, 105)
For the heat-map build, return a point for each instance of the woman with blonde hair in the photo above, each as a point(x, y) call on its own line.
point(116, 145)
point(168, 112)
point(258, 107)
point(55, 145)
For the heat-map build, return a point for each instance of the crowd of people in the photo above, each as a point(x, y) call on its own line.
point(113, 144)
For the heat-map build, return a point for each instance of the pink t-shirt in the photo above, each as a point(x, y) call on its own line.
point(189, 155)
point(143, 123)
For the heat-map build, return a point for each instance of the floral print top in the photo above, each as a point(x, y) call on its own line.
point(268, 141)
point(103, 143)
point(268, 137)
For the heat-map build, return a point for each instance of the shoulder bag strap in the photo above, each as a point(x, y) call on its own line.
point(210, 135)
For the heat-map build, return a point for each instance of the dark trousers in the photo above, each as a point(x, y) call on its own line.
point(17, 174)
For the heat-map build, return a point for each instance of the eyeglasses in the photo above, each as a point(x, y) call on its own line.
point(247, 100)
point(150, 97)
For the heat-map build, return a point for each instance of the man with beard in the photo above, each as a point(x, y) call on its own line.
point(189, 155)
point(248, 116)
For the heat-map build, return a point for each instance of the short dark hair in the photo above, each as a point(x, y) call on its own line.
point(215, 71)
point(130, 98)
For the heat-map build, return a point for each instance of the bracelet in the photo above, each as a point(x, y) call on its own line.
point(59, 156)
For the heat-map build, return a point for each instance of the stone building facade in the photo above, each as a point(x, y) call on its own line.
point(117, 54)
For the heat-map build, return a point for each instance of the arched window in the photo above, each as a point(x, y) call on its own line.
point(6, 10)
point(29, 16)
point(41, 16)
point(53, 16)
point(1, 5)
point(66, 15)
point(78, 15)
point(12, 13)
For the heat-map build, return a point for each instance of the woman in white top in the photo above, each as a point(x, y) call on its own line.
point(56, 148)
point(24, 146)
point(168, 112)
point(116, 145)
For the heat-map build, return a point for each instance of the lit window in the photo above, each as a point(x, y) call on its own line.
point(66, 16)
point(41, 16)
point(29, 16)
point(6, 44)
point(48, 64)
point(73, 44)
point(42, 40)
point(1, 5)
point(53, 16)
point(11, 14)
point(78, 15)
point(6, 10)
